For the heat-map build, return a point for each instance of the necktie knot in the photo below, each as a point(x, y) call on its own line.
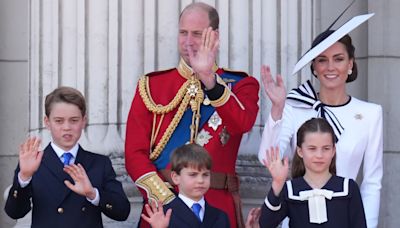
point(196, 210)
point(67, 158)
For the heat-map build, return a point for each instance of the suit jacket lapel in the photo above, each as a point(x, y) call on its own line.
point(210, 216)
point(184, 213)
point(54, 165)
point(83, 158)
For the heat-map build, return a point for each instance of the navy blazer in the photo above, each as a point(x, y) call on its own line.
point(182, 216)
point(55, 205)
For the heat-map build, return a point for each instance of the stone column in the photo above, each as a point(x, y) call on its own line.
point(383, 88)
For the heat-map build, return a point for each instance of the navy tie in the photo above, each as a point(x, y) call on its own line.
point(67, 157)
point(196, 210)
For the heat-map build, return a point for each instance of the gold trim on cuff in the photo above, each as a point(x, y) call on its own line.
point(155, 188)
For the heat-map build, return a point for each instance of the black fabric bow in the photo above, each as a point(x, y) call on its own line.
point(306, 97)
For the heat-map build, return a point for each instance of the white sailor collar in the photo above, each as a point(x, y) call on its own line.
point(338, 185)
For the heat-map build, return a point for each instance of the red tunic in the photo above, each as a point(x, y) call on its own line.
point(164, 86)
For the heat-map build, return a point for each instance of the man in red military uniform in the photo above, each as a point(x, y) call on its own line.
point(196, 102)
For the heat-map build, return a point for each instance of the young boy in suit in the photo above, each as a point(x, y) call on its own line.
point(190, 171)
point(68, 186)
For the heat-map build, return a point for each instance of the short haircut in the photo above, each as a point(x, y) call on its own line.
point(190, 155)
point(213, 16)
point(67, 95)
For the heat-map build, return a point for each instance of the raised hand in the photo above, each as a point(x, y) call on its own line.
point(253, 218)
point(203, 60)
point(29, 157)
point(82, 185)
point(275, 91)
point(156, 217)
point(279, 170)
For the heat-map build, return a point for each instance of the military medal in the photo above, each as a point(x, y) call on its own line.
point(214, 121)
point(224, 136)
point(203, 137)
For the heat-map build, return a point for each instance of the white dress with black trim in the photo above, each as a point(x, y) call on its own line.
point(337, 204)
point(358, 127)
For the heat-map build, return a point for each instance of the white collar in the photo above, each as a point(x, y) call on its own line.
point(60, 152)
point(189, 202)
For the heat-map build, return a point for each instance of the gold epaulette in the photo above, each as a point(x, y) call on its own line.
point(155, 188)
point(159, 72)
point(240, 73)
point(225, 96)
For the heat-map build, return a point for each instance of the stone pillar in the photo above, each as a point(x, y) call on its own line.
point(14, 91)
point(383, 88)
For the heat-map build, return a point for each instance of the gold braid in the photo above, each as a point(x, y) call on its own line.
point(189, 93)
point(144, 91)
point(170, 129)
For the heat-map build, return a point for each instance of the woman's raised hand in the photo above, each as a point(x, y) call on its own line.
point(275, 90)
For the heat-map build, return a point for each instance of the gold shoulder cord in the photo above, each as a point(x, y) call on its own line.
point(189, 93)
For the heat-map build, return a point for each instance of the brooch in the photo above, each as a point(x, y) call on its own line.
point(358, 116)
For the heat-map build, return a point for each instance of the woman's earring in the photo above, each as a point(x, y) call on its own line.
point(315, 73)
point(349, 72)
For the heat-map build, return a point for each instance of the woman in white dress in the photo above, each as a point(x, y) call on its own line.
point(357, 124)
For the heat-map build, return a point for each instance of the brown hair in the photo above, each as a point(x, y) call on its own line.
point(212, 13)
point(346, 41)
point(67, 95)
point(311, 126)
point(190, 155)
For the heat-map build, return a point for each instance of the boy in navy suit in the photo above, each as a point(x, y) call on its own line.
point(68, 186)
point(190, 171)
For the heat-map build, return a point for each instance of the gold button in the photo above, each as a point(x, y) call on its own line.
point(109, 206)
point(60, 210)
point(15, 193)
point(83, 209)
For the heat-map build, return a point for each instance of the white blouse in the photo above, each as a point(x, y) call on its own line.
point(360, 142)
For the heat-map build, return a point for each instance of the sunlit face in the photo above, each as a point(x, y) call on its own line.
point(65, 123)
point(191, 26)
point(192, 183)
point(332, 66)
point(317, 152)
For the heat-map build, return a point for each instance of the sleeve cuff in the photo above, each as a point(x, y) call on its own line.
point(216, 92)
point(22, 183)
point(96, 199)
point(155, 187)
point(271, 122)
point(273, 202)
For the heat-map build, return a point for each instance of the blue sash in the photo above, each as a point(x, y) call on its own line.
point(181, 135)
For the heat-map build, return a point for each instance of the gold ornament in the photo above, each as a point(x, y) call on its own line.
point(189, 93)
